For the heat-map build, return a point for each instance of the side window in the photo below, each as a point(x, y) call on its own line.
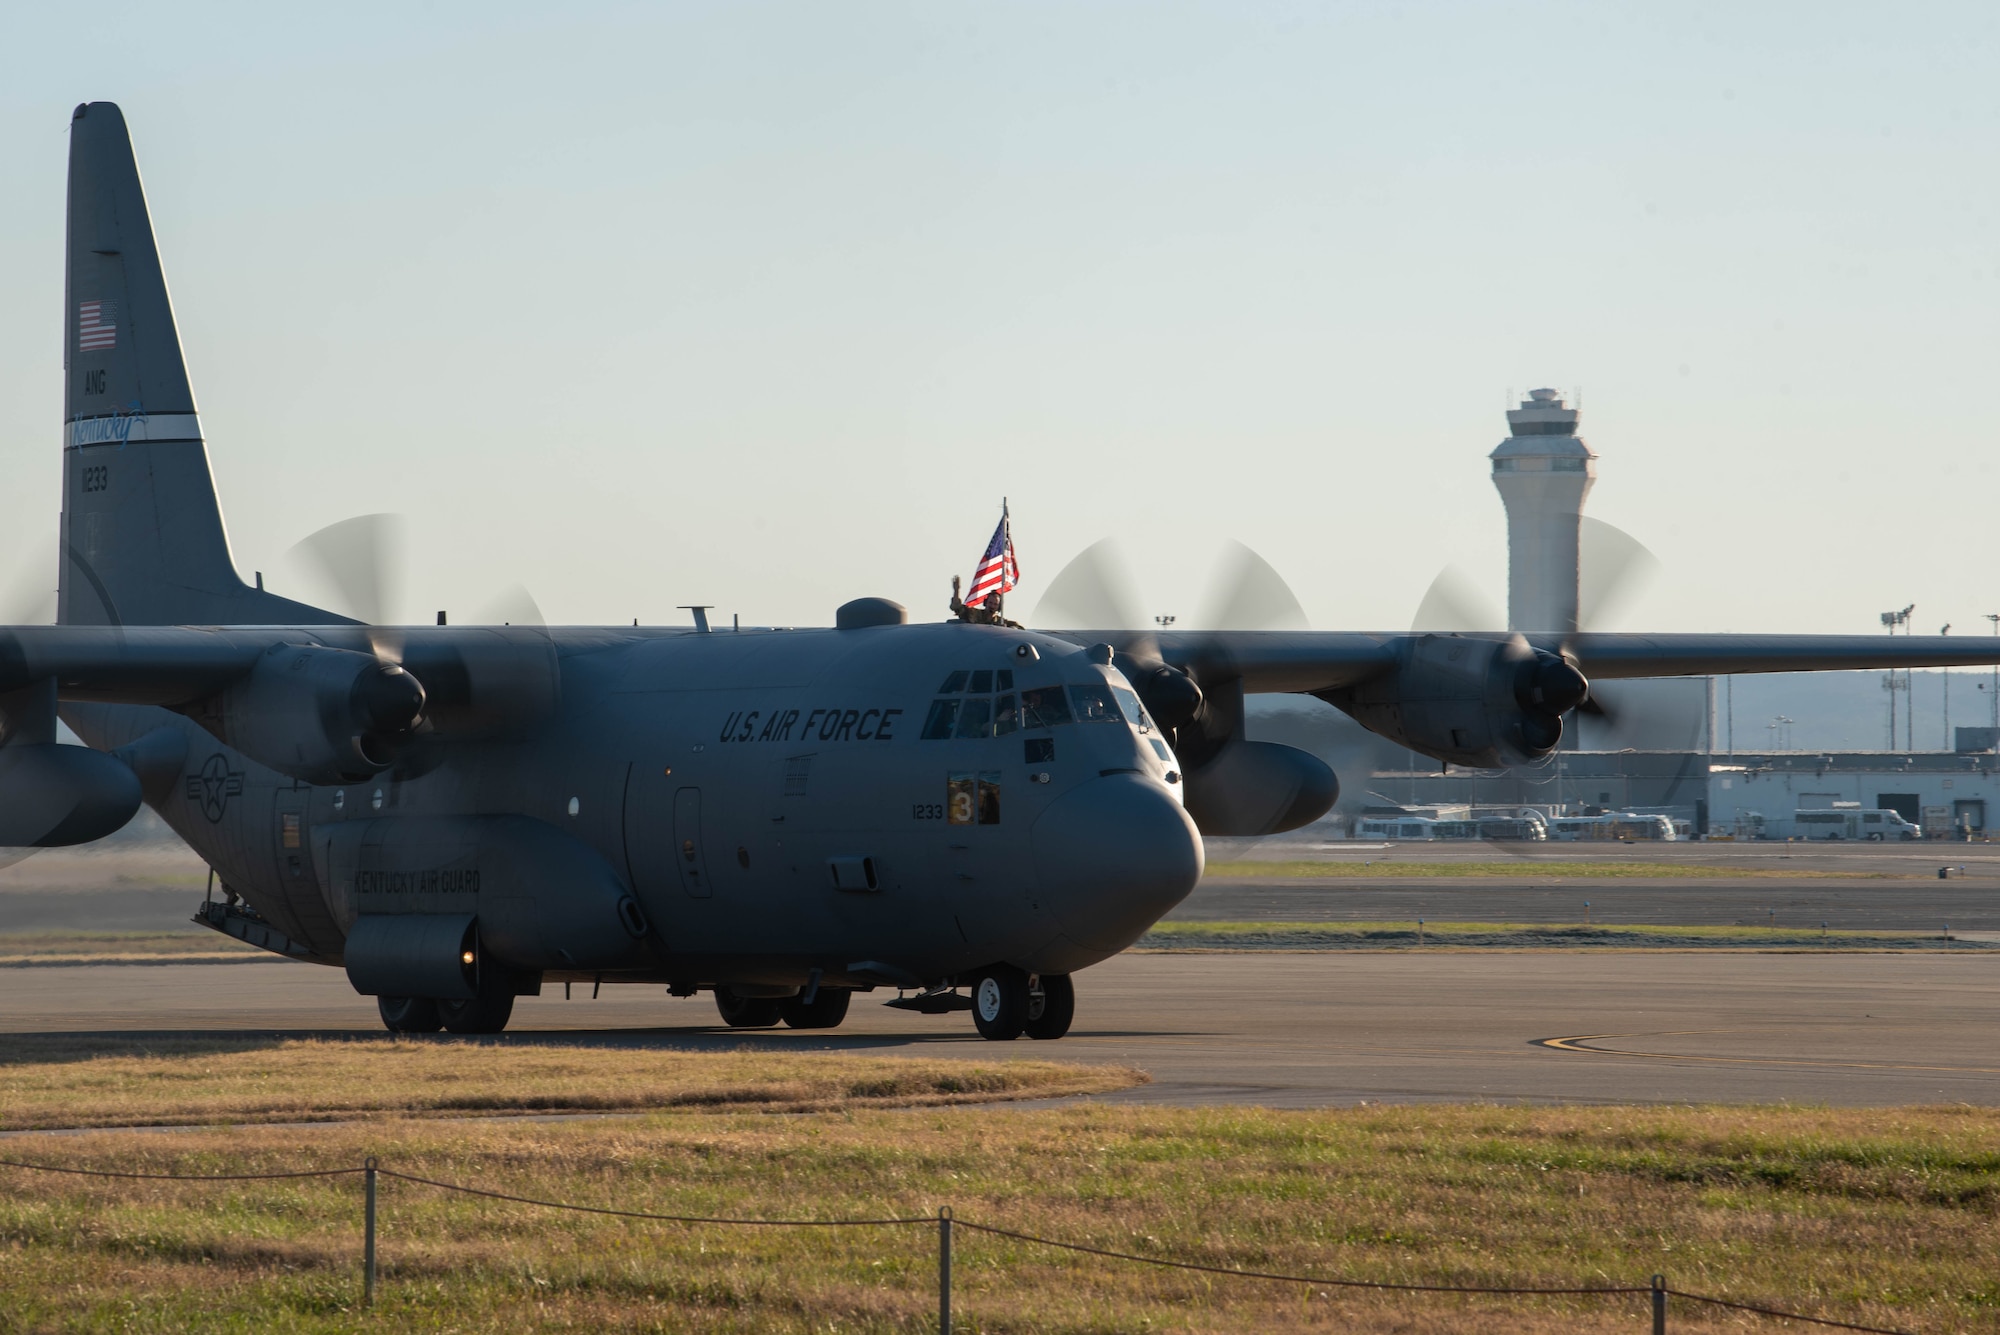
point(959, 803)
point(937, 724)
point(1044, 708)
point(1035, 750)
point(1094, 704)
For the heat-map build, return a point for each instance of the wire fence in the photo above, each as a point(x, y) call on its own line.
point(947, 1224)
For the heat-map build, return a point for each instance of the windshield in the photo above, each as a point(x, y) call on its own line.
point(1094, 705)
point(1135, 713)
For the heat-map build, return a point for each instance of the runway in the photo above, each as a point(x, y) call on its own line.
point(1279, 1030)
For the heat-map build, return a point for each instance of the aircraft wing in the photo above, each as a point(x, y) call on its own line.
point(1610, 656)
point(1304, 661)
point(144, 665)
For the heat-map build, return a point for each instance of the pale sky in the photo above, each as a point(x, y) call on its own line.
point(768, 305)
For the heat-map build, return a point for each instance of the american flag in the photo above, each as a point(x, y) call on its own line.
point(998, 571)
point(96, 326)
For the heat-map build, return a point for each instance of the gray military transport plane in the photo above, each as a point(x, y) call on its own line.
point(459, 815)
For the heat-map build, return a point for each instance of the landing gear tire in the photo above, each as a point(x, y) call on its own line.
point(746, 1012)
point(828, 1009)
point(487, 1012)
point(1000, 1002)
point(409, 1015)
point(1051, 1006)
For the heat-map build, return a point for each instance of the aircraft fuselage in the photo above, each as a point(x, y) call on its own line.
point(775, 801)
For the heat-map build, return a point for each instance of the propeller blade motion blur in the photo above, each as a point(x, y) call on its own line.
point(1613, 569)
point(1453, 604)
point(362, 560)
point(1093, 592)
point(1248, 594)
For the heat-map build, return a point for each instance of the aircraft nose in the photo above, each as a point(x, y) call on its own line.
point(1114, 854)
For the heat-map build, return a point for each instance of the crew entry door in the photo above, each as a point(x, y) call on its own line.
point(690, 855)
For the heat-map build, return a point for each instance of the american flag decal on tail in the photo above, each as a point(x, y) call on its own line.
point(96, 326)
point(998, 572)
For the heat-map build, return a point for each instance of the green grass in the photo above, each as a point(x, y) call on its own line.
point(1526, 868)
point(1197, 935)
point(1881, 1216)
point(194, 945)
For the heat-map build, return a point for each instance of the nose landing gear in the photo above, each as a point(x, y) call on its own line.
point(1007, 1003)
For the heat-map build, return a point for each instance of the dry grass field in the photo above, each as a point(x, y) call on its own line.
point(49, 1081)
point(1528, 867)
point(1884, 1217)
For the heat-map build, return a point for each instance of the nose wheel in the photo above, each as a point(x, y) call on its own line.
point(1051, 1006)
point(1006, 1003)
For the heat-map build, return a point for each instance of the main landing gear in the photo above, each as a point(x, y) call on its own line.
point(486, 1012)
point(825, 1011)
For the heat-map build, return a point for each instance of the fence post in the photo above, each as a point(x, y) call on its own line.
point(368, 1238)
point(1659, 1305)
point(944, 1270)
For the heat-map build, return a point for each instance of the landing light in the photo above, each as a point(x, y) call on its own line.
point(466, 958)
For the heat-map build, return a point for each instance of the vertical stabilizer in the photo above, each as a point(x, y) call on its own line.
point(142, 538)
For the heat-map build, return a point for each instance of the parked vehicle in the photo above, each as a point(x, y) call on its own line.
point(1872, 824)
point(1612, 826)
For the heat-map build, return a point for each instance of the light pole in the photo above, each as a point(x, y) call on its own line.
point(1891, 620)
point(1994, 617)
point(1946, 630)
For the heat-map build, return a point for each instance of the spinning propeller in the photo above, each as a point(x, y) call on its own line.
point(1095, 592)
point(1613, 568)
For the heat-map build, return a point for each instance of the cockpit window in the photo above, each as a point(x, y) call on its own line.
point(937, 724)
point(1006, 716)
point(1003, 680)
point(1135, 713)
point(953, 684)
point(1094, 705)
point(982, 682)
point(1044, 707)
point(976, 718)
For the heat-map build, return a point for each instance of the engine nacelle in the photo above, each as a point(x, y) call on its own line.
point(1470, 700)
point(52, 795)
point(317, 714)
point(1257, 788)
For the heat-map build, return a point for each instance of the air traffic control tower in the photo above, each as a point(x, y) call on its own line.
point(1543, 471)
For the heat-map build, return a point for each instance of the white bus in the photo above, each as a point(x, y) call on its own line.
point(1872, 824)
point(1528, 825)
point(1612, 826)
point(1395, 827)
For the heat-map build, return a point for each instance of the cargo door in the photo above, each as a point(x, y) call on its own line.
point(690, 853)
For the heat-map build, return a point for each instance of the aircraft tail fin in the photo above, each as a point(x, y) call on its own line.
point(142, 540)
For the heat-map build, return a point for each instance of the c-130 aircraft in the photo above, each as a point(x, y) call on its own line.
point(460, 815)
